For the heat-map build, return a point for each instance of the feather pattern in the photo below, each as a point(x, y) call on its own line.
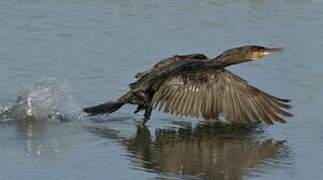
point(215, 92)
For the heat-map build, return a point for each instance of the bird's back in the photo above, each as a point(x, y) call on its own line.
point(171, 61)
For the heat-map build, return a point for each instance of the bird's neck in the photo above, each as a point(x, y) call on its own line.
point(225, 61)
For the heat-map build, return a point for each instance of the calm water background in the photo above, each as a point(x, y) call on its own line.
point(93, 49)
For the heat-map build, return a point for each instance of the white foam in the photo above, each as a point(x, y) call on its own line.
point(47, 100)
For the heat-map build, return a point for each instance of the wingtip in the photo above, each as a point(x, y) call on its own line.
point(286, 100)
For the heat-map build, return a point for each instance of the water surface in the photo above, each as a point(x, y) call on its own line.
point(59, 56)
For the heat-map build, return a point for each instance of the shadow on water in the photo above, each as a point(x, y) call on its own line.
point(207, 151)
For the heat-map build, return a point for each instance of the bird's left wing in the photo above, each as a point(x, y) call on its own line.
point(210, 93)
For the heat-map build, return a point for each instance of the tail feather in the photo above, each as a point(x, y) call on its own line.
point(105, 108)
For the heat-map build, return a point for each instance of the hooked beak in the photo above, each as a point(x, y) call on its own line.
point(275, 50)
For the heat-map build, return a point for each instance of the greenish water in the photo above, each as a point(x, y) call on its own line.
point(59, 56)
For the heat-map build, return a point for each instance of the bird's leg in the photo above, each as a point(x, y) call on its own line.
point(147, 114)
point(146, 105)
point(139, 108)
point(140, 101)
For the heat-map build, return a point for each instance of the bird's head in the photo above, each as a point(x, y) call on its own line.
point(257, 52)
point(247, 53)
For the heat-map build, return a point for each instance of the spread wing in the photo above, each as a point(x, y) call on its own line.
point(218, 92)
point(171, 61)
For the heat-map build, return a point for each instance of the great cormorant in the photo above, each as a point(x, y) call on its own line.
point(196, 86)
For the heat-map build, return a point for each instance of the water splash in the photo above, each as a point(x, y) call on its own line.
point(47, 100)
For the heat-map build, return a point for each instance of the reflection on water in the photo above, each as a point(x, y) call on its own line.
point(32, 133)
point(206, 151)
point(42, 139)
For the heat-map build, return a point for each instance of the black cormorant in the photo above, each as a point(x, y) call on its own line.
point(196, 86)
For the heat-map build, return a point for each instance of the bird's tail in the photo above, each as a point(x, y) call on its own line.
point(108, 107)
point(105, 108)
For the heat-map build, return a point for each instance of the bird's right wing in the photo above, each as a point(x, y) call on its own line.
point(210, 93)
